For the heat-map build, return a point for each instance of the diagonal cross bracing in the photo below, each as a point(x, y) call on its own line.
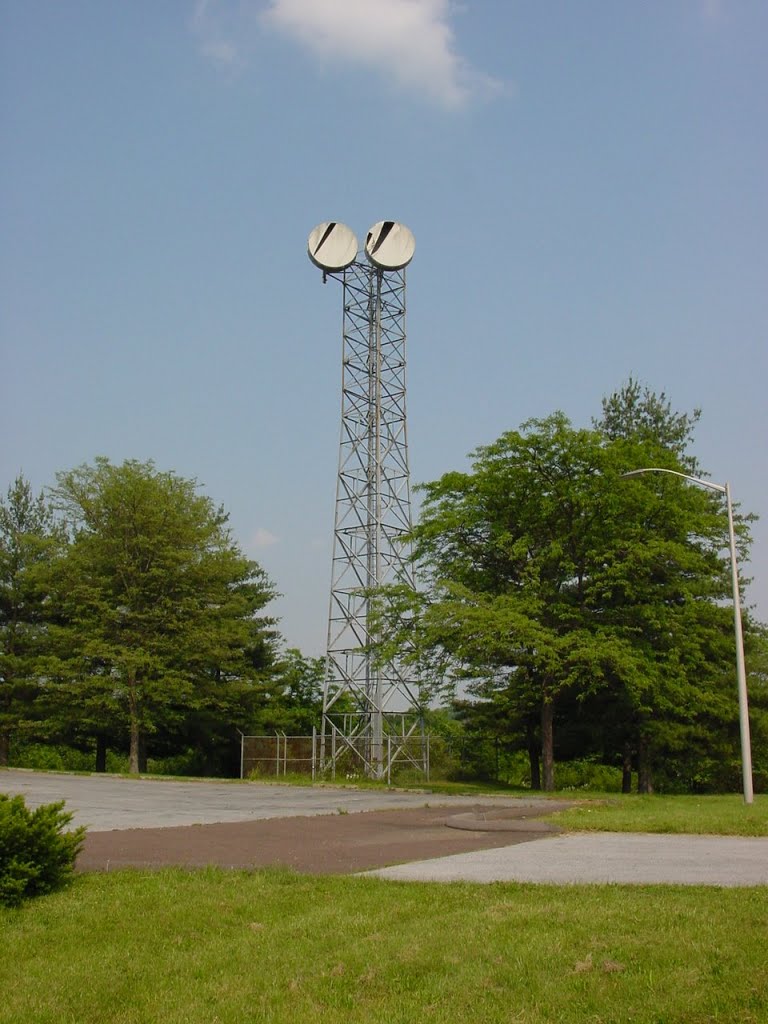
point(372, 519)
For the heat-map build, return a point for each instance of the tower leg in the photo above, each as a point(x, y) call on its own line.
point(363, 700)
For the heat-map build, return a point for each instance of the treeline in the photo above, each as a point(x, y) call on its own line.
point(131, 620)
point(565, 611)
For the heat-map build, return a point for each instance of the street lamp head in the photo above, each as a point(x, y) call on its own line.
point(683, 476)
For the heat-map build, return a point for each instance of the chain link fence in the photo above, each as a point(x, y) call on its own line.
point(278, 755)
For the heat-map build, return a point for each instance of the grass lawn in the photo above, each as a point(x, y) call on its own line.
point(713, 815)
point(725, 815)
point(226, 947)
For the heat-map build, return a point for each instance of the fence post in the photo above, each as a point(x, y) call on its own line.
point(314, 750)
point(242, 752)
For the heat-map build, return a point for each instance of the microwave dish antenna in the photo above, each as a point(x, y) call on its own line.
point(332, 246)
point(389, 245)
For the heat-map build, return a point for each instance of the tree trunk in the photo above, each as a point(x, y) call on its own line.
point(548, 745)
point(101, 753)
point(133, 709)
point(533, 759)
point(644, 772)
point(626, 773)
point(5, 748)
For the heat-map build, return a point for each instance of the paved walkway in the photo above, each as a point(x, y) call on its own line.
point(104, 802)
point(145, 821)
point(603, 857)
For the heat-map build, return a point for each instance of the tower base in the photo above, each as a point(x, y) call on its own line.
point(350, 748)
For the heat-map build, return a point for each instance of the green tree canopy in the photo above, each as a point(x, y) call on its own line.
point(548, 579)
point(29, 540)
point(161, 613)
point(636, 412)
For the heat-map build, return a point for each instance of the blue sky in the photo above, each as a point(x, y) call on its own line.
point(586, 183)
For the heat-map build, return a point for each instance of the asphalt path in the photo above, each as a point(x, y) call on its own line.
point(105, 803)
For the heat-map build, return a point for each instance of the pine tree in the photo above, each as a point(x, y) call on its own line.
point(29, 541)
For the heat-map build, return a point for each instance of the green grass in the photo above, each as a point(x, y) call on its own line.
point(222, 947)
point(700, 815)
point(439, 786)
point(418, 785)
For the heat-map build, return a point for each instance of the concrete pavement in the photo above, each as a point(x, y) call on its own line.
point(105, 803)
point(603, 857)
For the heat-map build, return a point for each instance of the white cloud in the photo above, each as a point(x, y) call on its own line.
point(410, 43)
point(261, 538)
point(211, 22)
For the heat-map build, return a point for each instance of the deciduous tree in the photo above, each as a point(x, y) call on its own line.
point(162, 613)
point(546, 575)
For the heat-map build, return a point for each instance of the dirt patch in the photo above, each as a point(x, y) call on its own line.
point(325, 844)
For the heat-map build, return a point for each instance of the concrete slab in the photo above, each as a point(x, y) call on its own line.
point(105, 802)
point(603, 857)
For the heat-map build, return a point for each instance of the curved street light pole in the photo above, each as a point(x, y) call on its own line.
point(741, 674)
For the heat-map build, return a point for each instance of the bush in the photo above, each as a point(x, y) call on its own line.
point(586, 774)
point(36, 854)
point(48, 757)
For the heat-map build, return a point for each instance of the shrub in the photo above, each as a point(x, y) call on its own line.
point(36, 854)
point(586, 774)
point(48, 757)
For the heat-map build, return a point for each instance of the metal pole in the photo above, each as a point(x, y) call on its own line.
point(741, 673)
point(377, 725)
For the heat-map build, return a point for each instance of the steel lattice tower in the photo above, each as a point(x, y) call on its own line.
point(381, 723)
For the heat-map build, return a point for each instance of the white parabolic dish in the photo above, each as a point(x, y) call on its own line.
point(332, 246)
point(389, 245)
